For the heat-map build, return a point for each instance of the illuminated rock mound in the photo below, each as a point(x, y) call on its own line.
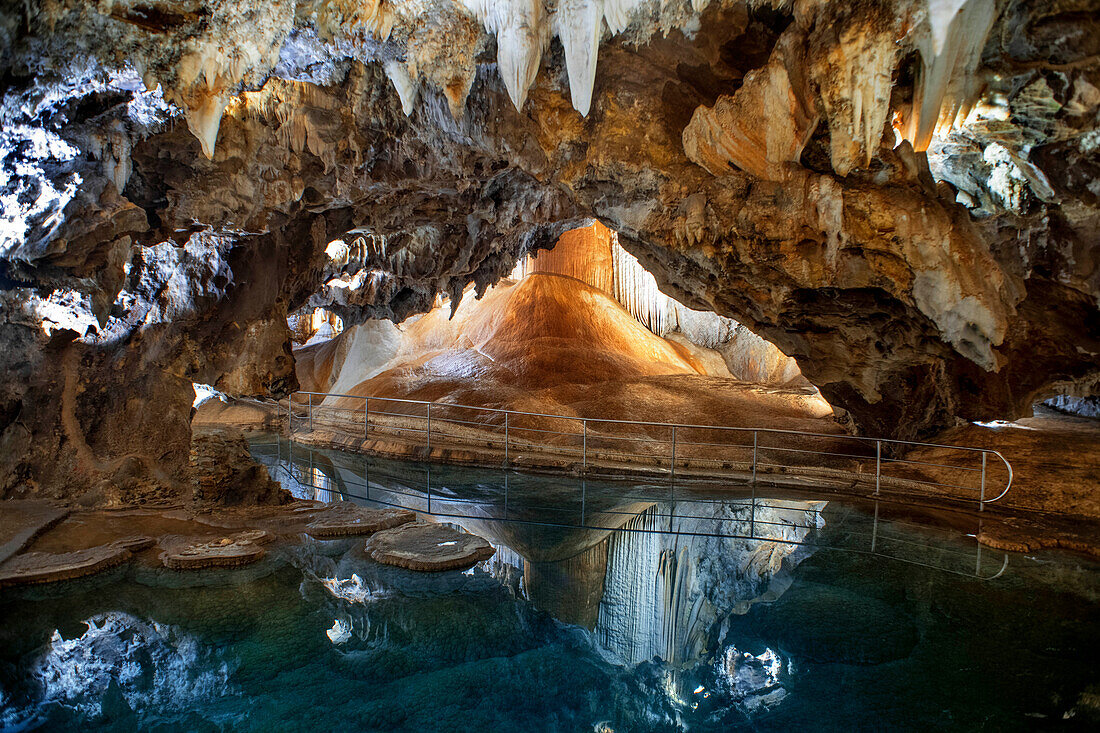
point(552, 344)
point(576, 330)
point(542, 332)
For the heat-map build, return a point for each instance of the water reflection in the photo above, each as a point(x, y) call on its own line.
point(656, 573)
point(606, 607)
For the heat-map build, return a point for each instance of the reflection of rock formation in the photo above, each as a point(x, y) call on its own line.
point(666, 592)
point(569, 589)
point(121, 664)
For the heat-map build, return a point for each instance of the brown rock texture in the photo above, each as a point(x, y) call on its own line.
point(44, 567)
point(224, 472)
point(345, 519)
point(195, 553)
point(21, 521)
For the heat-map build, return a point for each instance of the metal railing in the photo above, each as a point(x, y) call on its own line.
point(534, 441)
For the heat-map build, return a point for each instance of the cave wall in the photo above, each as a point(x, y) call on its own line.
point(899, 195)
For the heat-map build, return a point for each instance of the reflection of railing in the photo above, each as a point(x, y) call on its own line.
point(593, 445)
point(754, 518)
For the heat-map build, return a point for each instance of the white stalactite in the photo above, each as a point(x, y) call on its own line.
point(948, 87)
point(204, 120)
point(518, 27)
point(941, 13)
point(579, 25)
point(637, 292)
point(618, 12)
point(406, 87)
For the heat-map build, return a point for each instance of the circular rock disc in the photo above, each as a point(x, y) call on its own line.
point(45, 567)
point(344, 519)
point(424, 546)
point(191, 553)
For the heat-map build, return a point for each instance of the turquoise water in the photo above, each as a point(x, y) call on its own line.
point(656, 611)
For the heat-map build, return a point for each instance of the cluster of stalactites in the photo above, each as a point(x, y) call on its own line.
point(314, 324)
point(242, 44)
point(947, 85)
point(853, 80)
point(523, 29)
point(636, 290)
point(840, 60)
point(593, 255)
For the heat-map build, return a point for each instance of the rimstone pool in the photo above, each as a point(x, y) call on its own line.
point(607, 607)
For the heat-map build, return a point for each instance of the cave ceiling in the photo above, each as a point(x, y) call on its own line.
point(902, 195)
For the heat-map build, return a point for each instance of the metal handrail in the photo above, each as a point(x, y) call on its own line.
point(674, 427)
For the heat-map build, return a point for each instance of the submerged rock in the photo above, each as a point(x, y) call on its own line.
point(344, 518)
point(423, 546)
point(193, 553)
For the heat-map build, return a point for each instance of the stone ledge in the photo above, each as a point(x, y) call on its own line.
point(45, 567)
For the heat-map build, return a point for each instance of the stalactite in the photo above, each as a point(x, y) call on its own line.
point(406, 87)
point(948, 86)
point(518, 27)
point(579, 23)
point(637, 291)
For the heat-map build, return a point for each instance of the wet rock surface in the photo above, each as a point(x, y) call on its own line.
point(22, 521)
point(192, 553)
point(425, 546)
point(344, 519)
point(224, 472)
point(42, 567)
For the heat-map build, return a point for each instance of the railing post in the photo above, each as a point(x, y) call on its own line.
point(583, 494)
point(429, 433)
point(366, 418)
point(878, 465)
point(584, 444)
point(673, 467)
point(311, 412)
point(752, 514)
point(981, 495)
point(754, 444)
point(874, 530)
point(506, 440)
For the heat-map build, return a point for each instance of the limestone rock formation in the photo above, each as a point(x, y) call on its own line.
point(425, 546)
point(196, 553)
point(898, 194)
point(225, 473)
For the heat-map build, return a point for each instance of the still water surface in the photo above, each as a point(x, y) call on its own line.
point(625, 607)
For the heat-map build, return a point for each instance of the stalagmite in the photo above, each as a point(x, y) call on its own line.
point(579, 26)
